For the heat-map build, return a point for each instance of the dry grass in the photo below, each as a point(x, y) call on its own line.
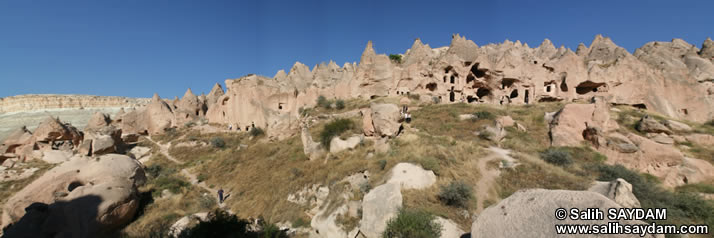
point(535, 173)
point(9, 188)
point(443, 120)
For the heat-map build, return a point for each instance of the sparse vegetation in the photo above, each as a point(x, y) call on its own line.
point(456, 193)
point(482, 115)
point(557, 156)
point(697, 188)
point(222, 224)
point(412, 223)
point(396, 58)
point(414, 96)
point(218, 142)
point(256, 131)
point(340, 104)
point(333, 129)
point(382, 164)
point(323, 102)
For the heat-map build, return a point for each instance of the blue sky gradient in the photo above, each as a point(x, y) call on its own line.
point(138, 47)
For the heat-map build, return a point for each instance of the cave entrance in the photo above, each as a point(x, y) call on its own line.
point(587, 87)
point(482, 92)
point(470, 79)
point(514, 93)
point(431, 86)
point(477, 72)
point(525, 98)
point(444, 78)
point(563, 85)
point(507, 82)
point(470, 99)
point(452, 79)
point(452, 96)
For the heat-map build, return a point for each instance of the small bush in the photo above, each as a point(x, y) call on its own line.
point(435, 99)
point(154, 170)
point(222, 224)
point(430, 163)
point(323, 102)
point(256, 131)
point(332, 129)
point(299, 222)
point(172, 184)
point(382, 164)
point(201, 177)
point(557, 156)
point(411, 223)
point(457, 194)
point(415, 96)
point(396, 58)
point(710, 123)
point(482, 115)
point(218, 142)
point(340, 104)
point(365, 187)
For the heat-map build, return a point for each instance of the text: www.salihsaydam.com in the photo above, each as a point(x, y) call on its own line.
point(638, 229)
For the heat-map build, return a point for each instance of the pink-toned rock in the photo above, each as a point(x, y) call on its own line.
point(701, 139)
point(367, 126)
point(506, 121)
point(52, 129)
point(82, 197)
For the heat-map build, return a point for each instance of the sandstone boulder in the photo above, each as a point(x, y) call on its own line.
point(52, 129)
point(648, 124)
point(494, 133)
point(378, 206)
point(530, 213)
point(701, 139)
point(506, 121)
point(677, 126)
point(621, 143)
point(618, 190)
point(56, 156)
point(337, 145)
point(367, 124)
point(97, 121)
point(410, 176)
point(449, 229)
point(18, 138)
point(567, 126)
point(662, 138)
point(385, 118)
point(84, 197)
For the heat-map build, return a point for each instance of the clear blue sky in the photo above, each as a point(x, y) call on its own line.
point(138, 47)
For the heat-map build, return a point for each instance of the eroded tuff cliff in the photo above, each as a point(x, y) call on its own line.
point(32, 102)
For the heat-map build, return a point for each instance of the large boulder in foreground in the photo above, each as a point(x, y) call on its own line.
point(378, 206)
point(84, 197)
point(385, 118)
point(410, 176)
point(531, 213)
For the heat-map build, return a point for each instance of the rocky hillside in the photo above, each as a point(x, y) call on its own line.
point(459, 141)
point(35, 102)
point(30, 110)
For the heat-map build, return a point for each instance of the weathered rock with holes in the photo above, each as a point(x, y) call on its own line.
point(378, 206)
point(522, 213)
point(617, 190)
point(84, 197)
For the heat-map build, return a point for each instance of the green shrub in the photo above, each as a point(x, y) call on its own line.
point(201, 177)
point(299, 222)
point(415, 96)
point(340, 104)
point(710, 123)
point(256, 131)
point(557, 156)
point(382, 164)
point(396, 58)
point(153, 170)
point(332, 129)
point(435, 99)
point(218, 142)
point(457, 194)
point(171, 183)
point(482, 115)
point(697, 188)
point(221, 224)
point(365, 187)
point(323, 102)
point(411, 223)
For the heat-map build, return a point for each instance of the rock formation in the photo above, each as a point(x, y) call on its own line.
point(31, 102)
point(523, 213)
point(84, 197)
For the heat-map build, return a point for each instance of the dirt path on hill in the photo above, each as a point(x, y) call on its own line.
point(164, 150)
point(489, 176)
